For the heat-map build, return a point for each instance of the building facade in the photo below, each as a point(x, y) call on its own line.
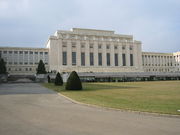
point(89, 51)
point(24, 61)
point(161, 62)
point(85, 50)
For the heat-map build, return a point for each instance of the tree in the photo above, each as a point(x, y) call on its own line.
point(49, 79)
point(58, 79)
point(2, 66)
point(41, 68)
point(73, 82)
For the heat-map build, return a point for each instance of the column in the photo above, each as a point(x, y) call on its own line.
point(69, 54)
point(87, 59)
point(95, 53)
point(104, 63)
point(135, 58)
point(59, 53)
point(120, 54)
point(127, 55)
point(112, 55)
point(78, 54)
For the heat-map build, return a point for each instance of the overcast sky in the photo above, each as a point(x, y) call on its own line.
point(29, 23)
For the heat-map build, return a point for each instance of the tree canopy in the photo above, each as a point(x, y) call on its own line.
point(58, 79)
point(2, 66)
point(73, 82)
point(41, 68)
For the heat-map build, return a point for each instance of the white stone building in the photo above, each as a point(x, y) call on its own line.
point(24, 61)
point(89, 51)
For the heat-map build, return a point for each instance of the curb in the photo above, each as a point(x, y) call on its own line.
point(121, 110)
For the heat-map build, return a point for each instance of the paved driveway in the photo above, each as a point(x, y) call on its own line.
point(30, 109)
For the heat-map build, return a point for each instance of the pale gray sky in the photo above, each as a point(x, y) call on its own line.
point(29, 23)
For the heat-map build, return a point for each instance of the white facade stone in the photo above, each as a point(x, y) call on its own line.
point(91, 39)
point(25, 60)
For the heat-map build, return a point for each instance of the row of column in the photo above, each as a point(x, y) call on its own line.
point(95, 51)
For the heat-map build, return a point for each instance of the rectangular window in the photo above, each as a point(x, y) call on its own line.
point(116, 59)
point(124, 59)
point(91, 59)
point(82, 59)
point(108, 59)
point(100, 59)
point(73, 58)
point(131, 59)
point(64, 58)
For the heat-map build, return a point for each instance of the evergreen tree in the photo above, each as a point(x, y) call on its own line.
point(73, 82)
point(2, 66)
point(41, 68)
point(58, 79)
point(49, 79)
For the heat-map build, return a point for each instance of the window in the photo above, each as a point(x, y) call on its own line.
point(36, 52)
point(124, 59)
point(131, 60)
point(82, 45)
point(130, 48)
point(64, 44)
point(73, 58)
point(108, 59)
point(107, 46)
point(116, 59)
point(46, 53)
point(10, 52)
point(15, 52)
point(41, 52)
point(5, 52)
point(100, 59)
point(91, 59)
point(64, 58)
point(26, 52)
point(91, 46)
point(99, 46)
point(123, 47)
point(31, 52)
point(115, 47)
point(73, 45)
point(82, 59)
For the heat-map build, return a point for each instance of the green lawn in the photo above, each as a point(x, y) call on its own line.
point(156, 96)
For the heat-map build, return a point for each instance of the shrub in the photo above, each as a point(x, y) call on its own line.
point(41, 68)
point(49, 79)
point(58, 79)
point(73, 82)
point(2, 66)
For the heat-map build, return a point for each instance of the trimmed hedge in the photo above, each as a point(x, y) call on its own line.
point(73, 82)
point(41, 68)
point(58, 80)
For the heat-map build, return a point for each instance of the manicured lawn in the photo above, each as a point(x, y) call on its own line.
point(156, 96)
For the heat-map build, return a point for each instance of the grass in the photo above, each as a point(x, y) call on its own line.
point(155, 96)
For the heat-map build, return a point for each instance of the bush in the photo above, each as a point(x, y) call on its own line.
point(2, 66)
point(58, 79)
point(41, 68)
point(49, 79)
point(73, 82)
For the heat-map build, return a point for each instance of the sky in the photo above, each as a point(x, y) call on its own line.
point(29, 23)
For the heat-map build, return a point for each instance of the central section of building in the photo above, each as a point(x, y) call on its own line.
point(87, 50)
